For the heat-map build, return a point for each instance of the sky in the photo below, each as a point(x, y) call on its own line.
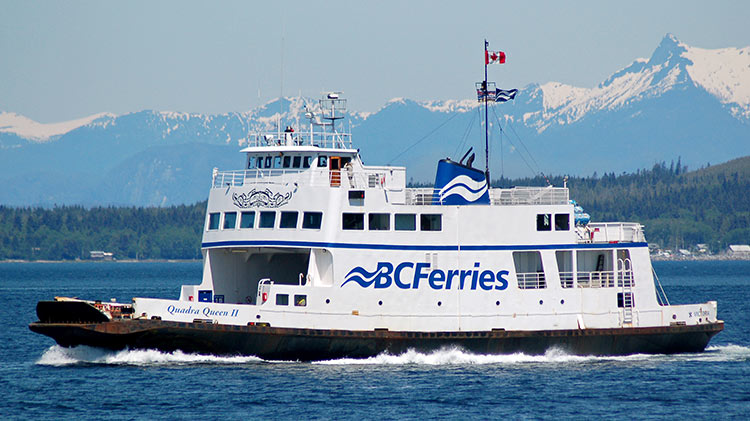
point(66, 60)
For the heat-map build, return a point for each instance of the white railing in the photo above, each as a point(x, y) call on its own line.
point(512, 196)
point(610, 232)
point(308, 177)
point(531, 280)
point(303, 138)
point(596, 279)
point(566, 279)
point(530, 196)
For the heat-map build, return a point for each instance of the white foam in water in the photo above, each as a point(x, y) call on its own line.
point(60, 356)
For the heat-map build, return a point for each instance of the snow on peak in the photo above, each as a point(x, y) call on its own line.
point(29, 129)
point(724, 73)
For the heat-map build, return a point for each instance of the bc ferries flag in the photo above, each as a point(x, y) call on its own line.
point(457, 184)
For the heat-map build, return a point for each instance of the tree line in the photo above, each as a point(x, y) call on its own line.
point(678, 208)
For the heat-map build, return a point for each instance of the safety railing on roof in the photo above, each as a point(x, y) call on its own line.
point(512, 196)
point(307, 177)
point(611, 232)
point(304, 138)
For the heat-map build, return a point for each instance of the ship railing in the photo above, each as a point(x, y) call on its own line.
point(355, 179)
point(567, 279)
point(531, 280)
point(321, 139)
point(530, 196)
point(512, 196)
point(611, 232)
point(595, 279)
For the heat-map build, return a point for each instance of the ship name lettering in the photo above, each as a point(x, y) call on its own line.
point(385, 275)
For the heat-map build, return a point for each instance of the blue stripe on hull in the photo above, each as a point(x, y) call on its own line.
point(408, 247)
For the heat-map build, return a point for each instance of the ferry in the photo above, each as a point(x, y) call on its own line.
point(310, 254)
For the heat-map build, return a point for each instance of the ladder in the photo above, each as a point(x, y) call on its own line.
point(625, 269)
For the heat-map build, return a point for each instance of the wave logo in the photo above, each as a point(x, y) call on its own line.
point(466, 187)
point(410, 275)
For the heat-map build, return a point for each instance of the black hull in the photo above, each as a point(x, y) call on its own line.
point(314, 344)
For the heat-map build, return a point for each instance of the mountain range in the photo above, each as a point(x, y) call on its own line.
point(683, 102)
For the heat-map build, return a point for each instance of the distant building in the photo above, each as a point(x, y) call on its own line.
point(101, 255)
point(740, 251)
point(684, 252)
point(701, 248)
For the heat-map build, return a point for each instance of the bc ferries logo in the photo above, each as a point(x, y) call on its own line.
point(470, 190)
point(261, 199)
point(410, 275)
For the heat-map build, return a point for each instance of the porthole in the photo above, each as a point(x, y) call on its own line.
point(674, 317)
point(380, 303)
point(440, 303)
point(497, 303)
point(541, 302)
point(257, 316)
point(328, 300)
point(562, 301)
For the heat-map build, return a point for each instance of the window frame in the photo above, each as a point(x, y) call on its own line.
point(287, 214)
point(224, 224)
point(313, 227)
point(213, 217)
point(425, 218)
point(357, 227)
point(397, 216)
point(260, 220)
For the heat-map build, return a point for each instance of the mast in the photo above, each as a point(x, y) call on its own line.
point(486, 120)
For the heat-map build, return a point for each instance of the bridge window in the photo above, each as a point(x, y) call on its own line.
point(282, 299)
point(287, 161)
point(269, 160)
point(288, 220)
point(230, 220)
point(312, 220)
point(544, 222)
point(306, 161)
point(431, 222)
point(379, 221)
point(529, 270)
point(353, 221)
point(267, 219)
point(322, 161)
point(562, 222)
point(247, 220)
point(296, 161)
point(213, 221)
point(405, 222)
point(277, 162)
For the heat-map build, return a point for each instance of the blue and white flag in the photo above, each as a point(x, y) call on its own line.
point(502, 95)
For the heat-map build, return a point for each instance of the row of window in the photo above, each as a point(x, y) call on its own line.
point(544, 222)
point(313, 220)
point(266, 219)
point(401, 221)
point(288, 161)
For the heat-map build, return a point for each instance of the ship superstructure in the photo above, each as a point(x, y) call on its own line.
point(309, 253)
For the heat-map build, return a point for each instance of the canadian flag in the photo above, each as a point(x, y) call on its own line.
point(494, 57)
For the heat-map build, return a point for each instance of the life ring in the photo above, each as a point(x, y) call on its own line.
point(264, 297)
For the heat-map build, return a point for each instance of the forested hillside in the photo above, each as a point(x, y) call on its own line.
point(678, 208)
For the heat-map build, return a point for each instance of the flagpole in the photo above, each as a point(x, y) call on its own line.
point(486, 121)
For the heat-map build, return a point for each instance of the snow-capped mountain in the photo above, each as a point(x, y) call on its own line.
point(682, 102)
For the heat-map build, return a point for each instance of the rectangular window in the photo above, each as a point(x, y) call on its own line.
point(247, 220)
point(562, 222)
point(312, 220)
point(306, 162)
point(268, 162)
point(529, 269)
point(379, 221)
point(277, 162)
point(282, 299)
point(300, 300)
point(544, 222)
point(267, 219)
point(405, 222)
point(431, 222)
point(296, 161)
point(213, 221)
point(288, 220)
point(353, 221)
point(259, 162)
point(287, 161)
point(565, 267)
point(322, 161)
point(230, 220)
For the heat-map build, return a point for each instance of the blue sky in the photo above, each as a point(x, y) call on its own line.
point(66, 60)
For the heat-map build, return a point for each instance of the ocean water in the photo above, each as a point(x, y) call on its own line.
point(41, 380)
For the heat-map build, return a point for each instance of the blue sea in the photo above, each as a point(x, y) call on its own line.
point(40, 380)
